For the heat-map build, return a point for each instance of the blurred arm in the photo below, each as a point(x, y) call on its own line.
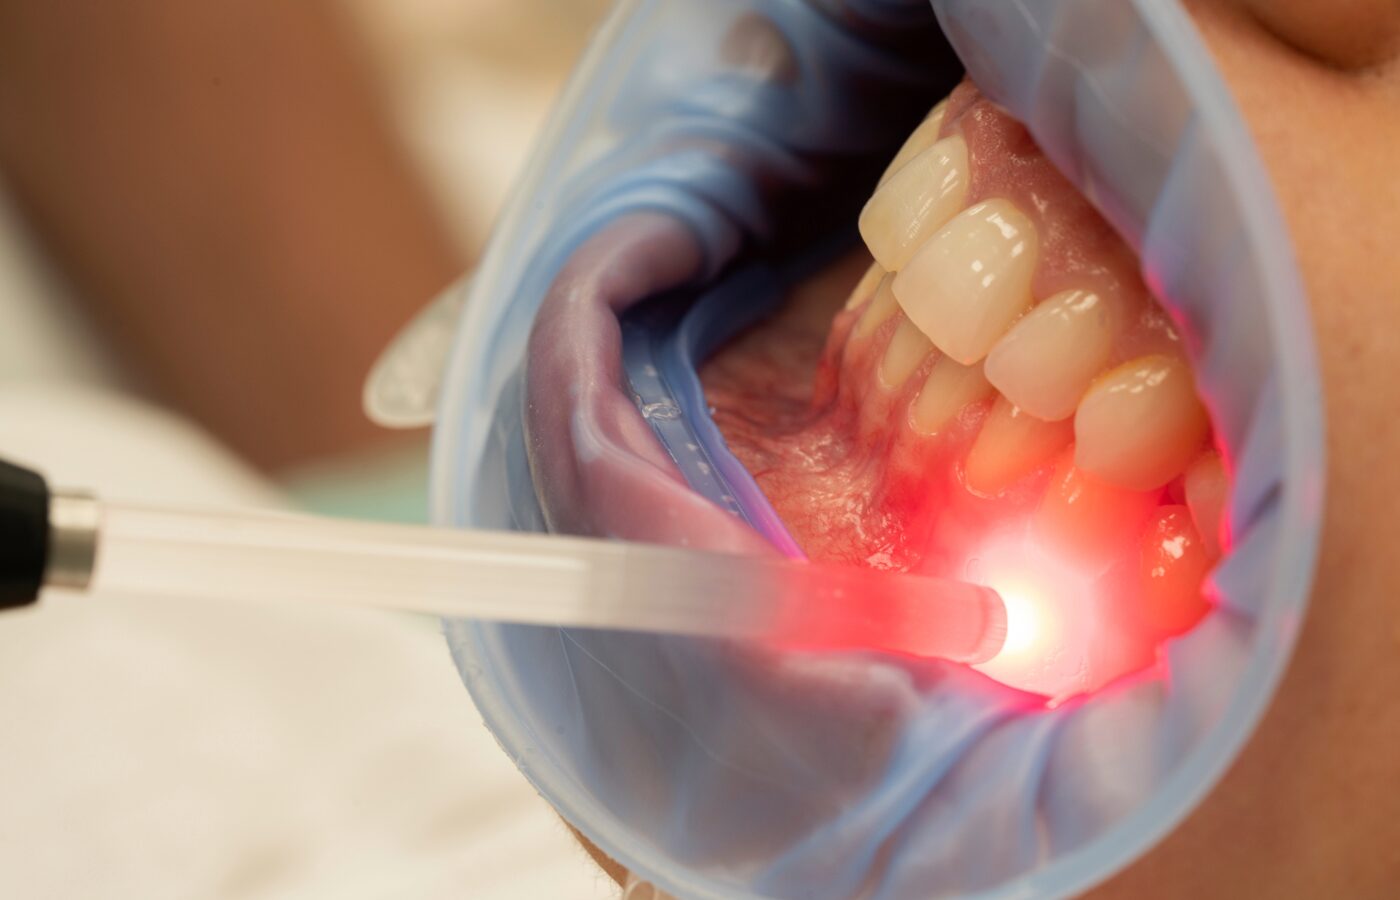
point(220, 184)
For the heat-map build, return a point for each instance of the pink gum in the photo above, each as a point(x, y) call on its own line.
point(1078, 248)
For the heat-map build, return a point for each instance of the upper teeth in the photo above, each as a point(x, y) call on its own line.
point(915, 202)
point(1047, 360)
point(949, 388)
point(962, 277)
point(1140, 424)
point(971, 280)
point(919, 140)
point(1012, 443)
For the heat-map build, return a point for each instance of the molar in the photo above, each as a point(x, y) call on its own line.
point(918, 141)
point(1012, 443)
point(1141, 423)
point(949, 388)
point(971, 281)
point(917, 200)
point(1046, 362)
point(906, 350)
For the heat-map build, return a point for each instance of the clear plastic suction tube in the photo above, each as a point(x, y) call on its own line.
point(542, 579)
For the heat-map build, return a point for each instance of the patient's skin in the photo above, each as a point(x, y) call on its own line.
point(1311, 808)
point(224, 191)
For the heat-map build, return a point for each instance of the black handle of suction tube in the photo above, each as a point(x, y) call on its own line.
point(24, 534)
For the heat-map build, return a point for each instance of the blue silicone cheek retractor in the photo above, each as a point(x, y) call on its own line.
point(717, 774)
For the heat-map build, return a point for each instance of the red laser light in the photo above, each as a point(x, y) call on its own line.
point(1062, 637)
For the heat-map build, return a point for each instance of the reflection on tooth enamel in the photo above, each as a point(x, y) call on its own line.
point(1046, 362)
point(1088, 520)
point(970, 282)
point(1012, 443)
point(948, 389)
point(906, 350)
point(1173, 565)
point(920, 140)
point(881, 307)
point(1140, 424)
point(917, 201)
point(866, 286)
point(1206, 492)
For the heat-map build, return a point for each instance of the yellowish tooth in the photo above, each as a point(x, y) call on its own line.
point(919, 140)
point(948, 389)
point(866, 286)
point(906, 350)
point(1207, 489)
point(1011, 444)
point(917, 200)
point(1140, 424)
point(1046, 362)
point(1088, 520)
point(970, 281)
point(1173, 564)
point(882, 307)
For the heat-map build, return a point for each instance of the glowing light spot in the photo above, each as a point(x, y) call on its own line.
point(1059, 640)
point(1028, 622)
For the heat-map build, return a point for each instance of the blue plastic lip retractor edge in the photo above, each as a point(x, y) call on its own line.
point(1205, 145)
point(664, 343)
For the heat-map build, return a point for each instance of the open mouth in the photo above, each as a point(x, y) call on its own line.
point(998, 399)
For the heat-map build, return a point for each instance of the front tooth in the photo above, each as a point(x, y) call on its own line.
point(918, 141)
point(917, 200)
point(1141, 423)
point(866, 286)
point(1047, 360)
point(906, 350)
point(1087, 519)
point(967, 285)
point(1012, 443)
point(949, 388)
point(1207, 488)
point(882, 307)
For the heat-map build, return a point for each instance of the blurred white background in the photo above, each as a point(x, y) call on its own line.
point(471, 81)
point(159, 750)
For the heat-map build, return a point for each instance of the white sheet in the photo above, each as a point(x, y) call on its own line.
point(157, 750)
